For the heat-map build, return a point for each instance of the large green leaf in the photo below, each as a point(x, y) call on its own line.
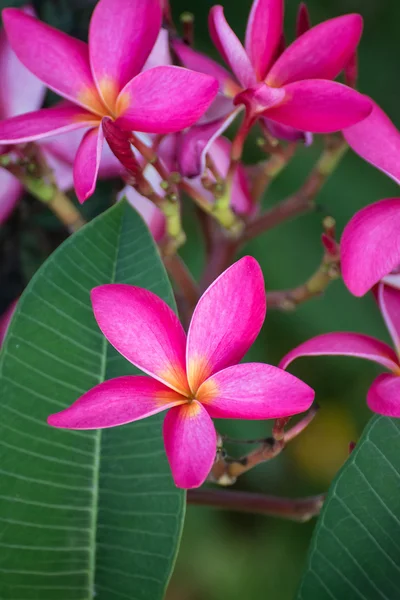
point(82, 514)
point(355, 551)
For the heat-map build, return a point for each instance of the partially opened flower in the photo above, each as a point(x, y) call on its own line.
point(384, 394)
point(294, 89)
point(377, 140)
point(370, 245)
point(103, 79)
point(195, 377)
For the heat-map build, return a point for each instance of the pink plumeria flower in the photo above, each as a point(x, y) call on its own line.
point(377, 140)
point(384, 394)
point(370, 245)
point(296, 89)
point(103, 79)
point(195, 377)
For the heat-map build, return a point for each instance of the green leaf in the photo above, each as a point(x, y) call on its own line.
point(82, 514)
point(355, 551)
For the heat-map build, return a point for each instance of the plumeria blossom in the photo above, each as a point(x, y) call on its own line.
point(195, 377)
point(384, 394)
point(103, 79)
point(295, 89)
point(377, 140)
point(370, 245)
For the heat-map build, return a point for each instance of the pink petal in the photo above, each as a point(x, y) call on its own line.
point(10, 192)
point(263, 34)
point(144, 329)
point(370, 245)
point(384, 395)
point(282, 132)
point(5, 320)
point(59, 60)
point(303, 22)
point(87, 162)
point(389, 304)
point(165, 100)
point(194, 145)
point(320, 106)
point(230, 48)
point(320, 53)
point(190, 443)
point(377, 141)
point(202, 63)
point(117, 402)
point(260, 98)
point(62, 171)
point(160, 54)
point(44, 123)
point(241, 200)
point(64, 146)
point(344, 344)
point(151, 214)
point(122, 34)
point(226, 321)
point(393, 280)
point(254, 391)
point(20, 91)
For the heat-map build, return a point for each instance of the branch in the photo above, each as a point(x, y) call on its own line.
point(183, 279)
point(294, 509)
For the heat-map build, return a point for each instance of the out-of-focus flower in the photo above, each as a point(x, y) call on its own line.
point(370, 245)
point(5, 320)
point(384, 394)
point(377, 140)
point(196, 376)
point(103, 79)
point(294, 89)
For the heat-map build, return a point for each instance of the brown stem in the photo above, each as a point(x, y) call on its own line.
point(183, 279)
point(294, 509)
point(225, 471)
point(303, 200)
point(222, 255)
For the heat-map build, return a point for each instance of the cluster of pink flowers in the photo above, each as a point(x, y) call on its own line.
point(124, 81)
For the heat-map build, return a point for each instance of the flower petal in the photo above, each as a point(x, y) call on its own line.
point(165, 100)
point(44, 123)
point(389, 304)
point(283, 132)
point(5, 320)
point(260, 98)
point(20, 91)
point(144, 329)
point(370, 245)
point(226, 321)
point(263, 33)
point(10, 192)
point(160, 54)
point(62, 170)
point(303, 21)
point(60, 61)
point(195, 143)
point(230, 48)
point(377, 141)
point(151, 214)
point(191, 59)
point(121, 36)
point(344, 344)
point(384, 395)
point(254, 391)
point(116, 402)
point(320, 53)
point(320, 106)
point(190, 443)
point(87, 163)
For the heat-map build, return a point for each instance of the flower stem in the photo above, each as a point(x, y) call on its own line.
point(294, 509)
point(267, 170)
point(183, 279)
point(303, 200)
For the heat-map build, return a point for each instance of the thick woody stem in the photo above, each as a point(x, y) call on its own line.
point(183, 279)
point(294, 509)
point(303, 200)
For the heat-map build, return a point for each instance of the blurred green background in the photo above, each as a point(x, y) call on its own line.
point(228, 555)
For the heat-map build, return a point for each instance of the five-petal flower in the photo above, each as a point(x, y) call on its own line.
point(384, 394)
point(293, 89)
point(103, 79)
point(196, 376)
